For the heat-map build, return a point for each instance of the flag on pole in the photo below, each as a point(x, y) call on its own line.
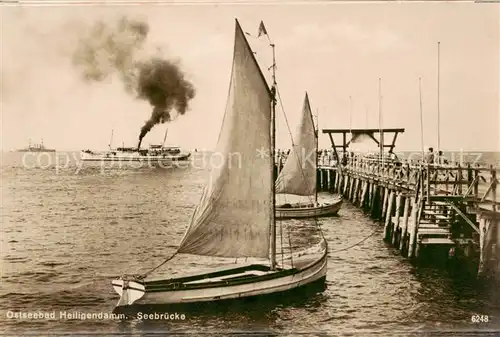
point(262, 29)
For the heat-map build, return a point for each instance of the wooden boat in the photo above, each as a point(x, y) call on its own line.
point(298, 176)
point(308, 210)
point(236, 215)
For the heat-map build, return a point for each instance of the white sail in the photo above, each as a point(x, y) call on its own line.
point(299, 172)
point(236, 209)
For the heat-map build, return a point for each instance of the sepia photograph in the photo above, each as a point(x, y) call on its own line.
point(264, 168)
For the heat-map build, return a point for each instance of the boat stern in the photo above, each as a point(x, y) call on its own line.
point(129, 290)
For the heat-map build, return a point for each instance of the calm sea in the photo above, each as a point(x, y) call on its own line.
point(67, 230)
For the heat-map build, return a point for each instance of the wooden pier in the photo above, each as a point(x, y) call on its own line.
point(428, 211)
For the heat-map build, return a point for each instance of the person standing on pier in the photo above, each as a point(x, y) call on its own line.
point(441, 158)
point(429, 158)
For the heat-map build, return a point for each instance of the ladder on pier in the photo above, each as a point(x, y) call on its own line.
point(436, 220)
point(435, 223)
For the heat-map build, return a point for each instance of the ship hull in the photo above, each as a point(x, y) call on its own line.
point(296, 211)
point(234, 284)
point(98, 157)
point(38, 151)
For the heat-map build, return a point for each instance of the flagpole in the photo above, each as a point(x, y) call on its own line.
point(380, 122)
point(350, 125)
point(366, 117)
point(438, 112)
point(421, 118)
point(350, 115)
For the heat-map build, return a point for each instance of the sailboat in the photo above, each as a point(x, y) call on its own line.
point(298, 176)
point(236, 214)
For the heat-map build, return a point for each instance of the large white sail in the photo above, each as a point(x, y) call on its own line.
point(236, 209)
point(299, 172)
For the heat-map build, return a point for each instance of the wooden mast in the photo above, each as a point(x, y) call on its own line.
point(273, 151)
point(111, 140)
point(164, 138)
point(262, 30)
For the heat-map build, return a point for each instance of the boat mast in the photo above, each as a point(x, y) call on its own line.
point(164, 138)
point(273, 151)
point(111, 140)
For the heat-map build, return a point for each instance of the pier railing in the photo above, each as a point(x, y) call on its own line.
point(424, 204)
point(475, 183)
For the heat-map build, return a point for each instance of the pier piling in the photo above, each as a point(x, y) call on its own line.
point(425, 208)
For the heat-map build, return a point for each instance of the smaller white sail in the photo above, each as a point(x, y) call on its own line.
point(299, 172)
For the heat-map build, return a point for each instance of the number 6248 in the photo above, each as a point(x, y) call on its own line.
point(479, 318)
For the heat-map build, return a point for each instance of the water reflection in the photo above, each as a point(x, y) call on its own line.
point(259, 315)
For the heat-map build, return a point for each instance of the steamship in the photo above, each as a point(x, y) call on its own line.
point(36, 148)
point(156, 153)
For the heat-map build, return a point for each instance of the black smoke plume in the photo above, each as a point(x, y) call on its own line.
point(162, 83)
point(107, 49)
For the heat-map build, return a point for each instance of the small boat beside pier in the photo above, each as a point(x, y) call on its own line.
point(298, 175)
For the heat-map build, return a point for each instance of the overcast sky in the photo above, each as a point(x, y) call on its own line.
point(331, 50)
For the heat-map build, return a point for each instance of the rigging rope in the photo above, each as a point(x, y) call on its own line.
point(357, 243)
point(290, 244)
point(281, 242)
point(143, 276)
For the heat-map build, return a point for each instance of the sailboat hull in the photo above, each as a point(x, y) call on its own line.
point(295, 211)
point(237, 283)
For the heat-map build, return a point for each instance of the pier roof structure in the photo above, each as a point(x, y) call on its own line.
point(355, 133)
